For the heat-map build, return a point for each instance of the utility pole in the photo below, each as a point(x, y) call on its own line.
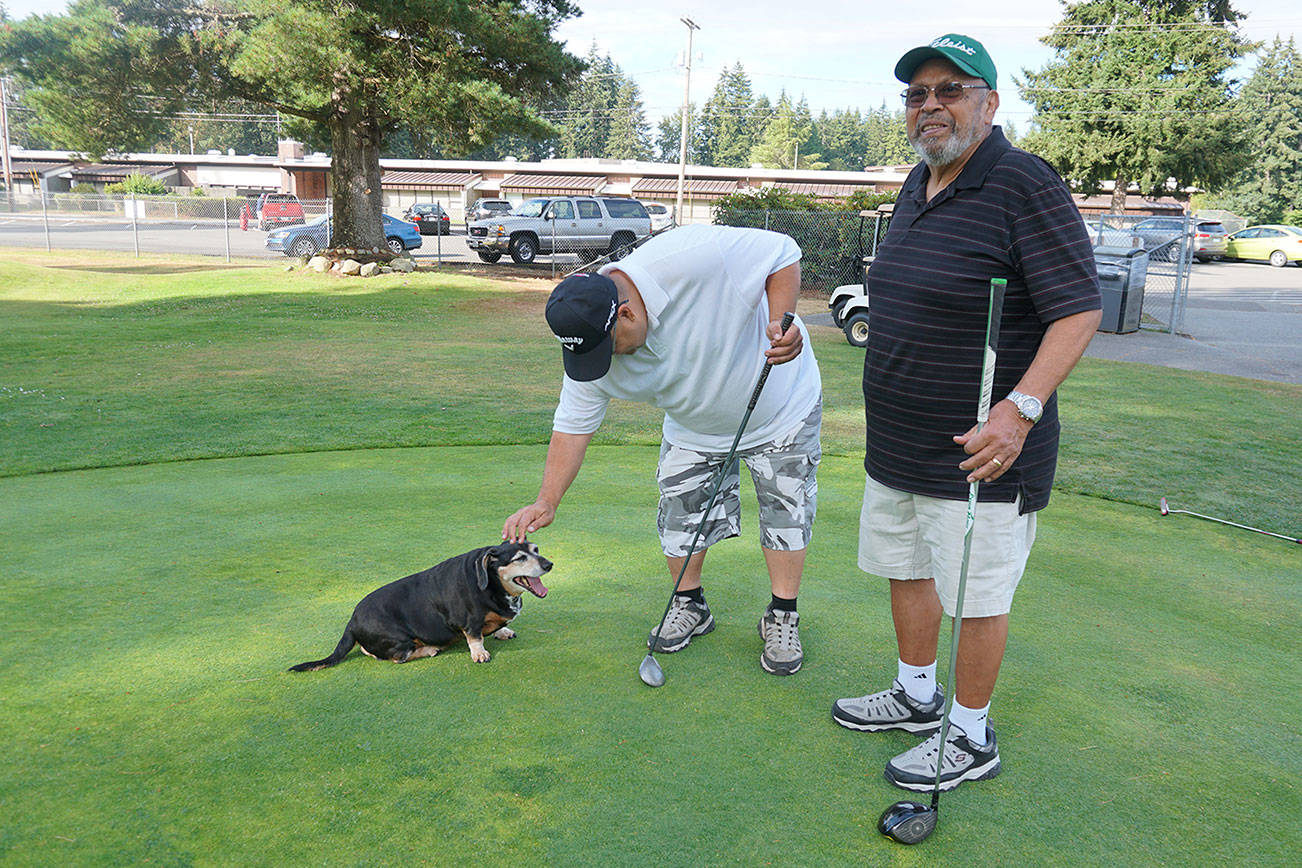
point(682, 138)
point(4, 144)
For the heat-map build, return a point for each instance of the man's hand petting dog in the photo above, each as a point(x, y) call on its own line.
point(465, 598)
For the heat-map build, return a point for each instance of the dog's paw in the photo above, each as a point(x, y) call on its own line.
point(480, 655)
point(504, 633)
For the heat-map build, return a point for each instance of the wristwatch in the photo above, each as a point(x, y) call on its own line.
point(1028, 406)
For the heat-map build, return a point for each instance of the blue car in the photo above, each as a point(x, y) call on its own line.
point(307, 239)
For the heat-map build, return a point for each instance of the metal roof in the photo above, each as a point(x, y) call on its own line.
point(693, 186)
point(556, 184)
point(112, 172)
point(429, 180)
point(824, 191)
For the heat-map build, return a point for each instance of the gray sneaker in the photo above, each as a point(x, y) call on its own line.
point(915, 769)
point(782, 654)
point(686, 618)
point(890, 709)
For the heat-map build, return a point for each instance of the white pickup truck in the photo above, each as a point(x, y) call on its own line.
point(590, 226)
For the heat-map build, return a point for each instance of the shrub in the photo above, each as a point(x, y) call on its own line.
point(140, 185)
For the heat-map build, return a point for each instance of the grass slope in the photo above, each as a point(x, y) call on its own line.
point(151, 610)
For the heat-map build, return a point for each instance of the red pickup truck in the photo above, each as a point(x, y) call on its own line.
point(278, 209)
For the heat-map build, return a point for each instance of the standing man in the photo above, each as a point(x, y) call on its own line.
point(975, 208)
point(685, 323)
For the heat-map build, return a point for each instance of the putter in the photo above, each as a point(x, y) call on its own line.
point(1166, 510)
point(649, 670)
point(911, 822)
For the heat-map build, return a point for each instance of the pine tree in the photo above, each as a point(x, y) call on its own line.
point(786, 134)
point(1138, 91)
point(629, 138)
point(727, 129)
point(1271, 106)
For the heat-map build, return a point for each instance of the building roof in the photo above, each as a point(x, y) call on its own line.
point(823, 191)
point(693, 186)
point(429, 180)
point(107, 173)
point(554, 184)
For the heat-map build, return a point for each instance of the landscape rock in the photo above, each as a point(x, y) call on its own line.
point(319, 263)
point(370, 269)
point(404, 265)
point(350, 266)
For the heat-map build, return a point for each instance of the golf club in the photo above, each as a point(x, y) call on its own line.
point(1166, 510)
point(911, 822)
point(649, 670)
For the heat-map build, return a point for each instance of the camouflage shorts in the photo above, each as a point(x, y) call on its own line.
point(785, 474)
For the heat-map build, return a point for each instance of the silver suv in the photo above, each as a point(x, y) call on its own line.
point(589, 226)
point(486, 208)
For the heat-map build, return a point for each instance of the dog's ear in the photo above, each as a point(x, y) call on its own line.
point(482, 567)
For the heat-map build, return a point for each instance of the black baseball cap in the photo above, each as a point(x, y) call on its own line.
point(581, 312)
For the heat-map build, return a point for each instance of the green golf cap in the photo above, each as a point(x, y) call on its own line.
point(962, 51)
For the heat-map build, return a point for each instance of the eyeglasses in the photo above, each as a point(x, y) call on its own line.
point(952, 92)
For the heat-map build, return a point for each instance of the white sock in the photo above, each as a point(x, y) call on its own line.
point(971, 720)
point(918, 681)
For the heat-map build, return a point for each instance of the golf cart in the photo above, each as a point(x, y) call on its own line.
point(849, 303)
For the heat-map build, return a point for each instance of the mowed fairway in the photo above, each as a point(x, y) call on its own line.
point(203, 469)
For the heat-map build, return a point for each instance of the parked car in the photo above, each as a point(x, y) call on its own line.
point(1161, 236)
point(486, 208)
point(587, 225)
point(1275, 243)
point(307, 239)
point(1209, 240)
point(429, 217)
point(1104, 234)
point(278, 209)
point(662, 216)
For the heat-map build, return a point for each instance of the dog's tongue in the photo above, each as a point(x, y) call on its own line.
point(537, 588)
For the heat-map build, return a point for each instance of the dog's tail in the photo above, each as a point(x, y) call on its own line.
point(346, 643)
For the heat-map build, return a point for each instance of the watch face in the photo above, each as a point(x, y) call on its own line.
point(1030, 407)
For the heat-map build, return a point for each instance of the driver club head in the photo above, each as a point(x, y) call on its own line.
point(650, 672)
point(907, 822)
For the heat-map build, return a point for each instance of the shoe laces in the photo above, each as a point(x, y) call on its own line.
point(683, 615)
point(780, 630)
point(953, 753)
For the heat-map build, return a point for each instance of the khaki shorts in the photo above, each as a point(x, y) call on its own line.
point(909, 536)
point(785, 473)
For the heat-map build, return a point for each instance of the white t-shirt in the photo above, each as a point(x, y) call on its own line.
point(703, 287)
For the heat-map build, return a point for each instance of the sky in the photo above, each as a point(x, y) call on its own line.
point(837, 54)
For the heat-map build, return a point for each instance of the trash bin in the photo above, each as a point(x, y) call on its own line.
point(1122, 274)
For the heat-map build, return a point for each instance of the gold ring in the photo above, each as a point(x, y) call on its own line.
point(996, 462)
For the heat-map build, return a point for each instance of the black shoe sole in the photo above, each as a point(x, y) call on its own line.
point(984, 772)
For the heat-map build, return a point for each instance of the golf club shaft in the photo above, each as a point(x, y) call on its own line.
point(993, 313)
point(722, 473)
point(1167, 509)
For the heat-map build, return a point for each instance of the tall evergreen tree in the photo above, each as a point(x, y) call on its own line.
point(669, 134)
point(1270, 105)
point(786, 134)
point(1138, 91)
point(727, 124)
point(629, 138)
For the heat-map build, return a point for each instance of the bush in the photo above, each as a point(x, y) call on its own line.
point(84, 189)
point(140, 185)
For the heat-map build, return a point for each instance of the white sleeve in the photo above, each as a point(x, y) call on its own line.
point(752, 256)
point(581, 408)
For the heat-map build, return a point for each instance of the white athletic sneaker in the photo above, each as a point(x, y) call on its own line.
point(915, 769)
point(686, 618)
point(782, 654)
point(890, 709)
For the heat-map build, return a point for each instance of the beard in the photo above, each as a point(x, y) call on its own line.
point(938, 154)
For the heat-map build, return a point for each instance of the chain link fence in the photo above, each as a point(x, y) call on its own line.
point(834, 245)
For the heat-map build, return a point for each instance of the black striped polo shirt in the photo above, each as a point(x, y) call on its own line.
point(1007, 215)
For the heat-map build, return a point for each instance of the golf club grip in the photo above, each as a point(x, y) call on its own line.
point(993, 315)
point(787, 319)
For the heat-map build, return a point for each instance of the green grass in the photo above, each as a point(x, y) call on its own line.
point(1147, 710)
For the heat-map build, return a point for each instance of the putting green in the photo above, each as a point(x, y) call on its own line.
point(151, 612)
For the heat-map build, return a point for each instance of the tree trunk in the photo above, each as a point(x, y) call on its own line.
point(355, 182)
point(1119, 195)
